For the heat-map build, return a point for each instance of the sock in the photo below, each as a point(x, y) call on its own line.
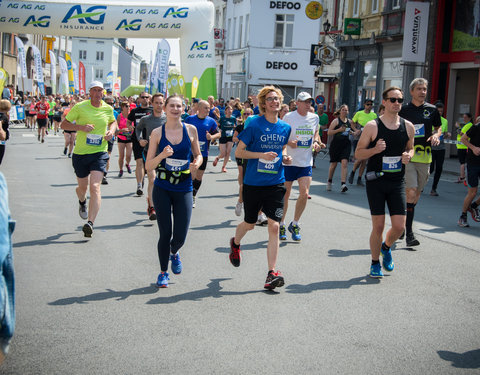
point(375, 262)
point(83, 203)
point(271, 271)
point(474, 205)
point(104, 174)
point(464, 214)
point(343, 183)
point(282, 223)
point(294, 222)
point(330, 180)
point(139, 185)
point(196, 186)
point(410, 214)
point(385, 247)
point(359, 178)
point(89, 222)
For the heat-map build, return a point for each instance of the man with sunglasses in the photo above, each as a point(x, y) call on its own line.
point(424, 117)
point(359, 120)
point(134, 117)
point(387, 143)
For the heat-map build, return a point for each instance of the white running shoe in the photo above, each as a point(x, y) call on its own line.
point(329, 186)
point(262, 219)
point(82, 210)
point(238, 208)
point(194, 201)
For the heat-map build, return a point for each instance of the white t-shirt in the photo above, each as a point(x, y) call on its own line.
point(303, 130)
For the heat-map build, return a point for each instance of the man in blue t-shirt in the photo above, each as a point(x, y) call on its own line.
point(263, 143)
point(207, 132)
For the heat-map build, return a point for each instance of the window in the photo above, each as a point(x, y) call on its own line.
point(374, 6)
point(233, 32)
point(395, 4)
point(99, 55)
point(284, 30)
point(229, 29)
point(82, 54)
point(7, 43)
point(247, 28)
point(240, 29)
point(100, 42)
point(355, 7)
point(98, 74)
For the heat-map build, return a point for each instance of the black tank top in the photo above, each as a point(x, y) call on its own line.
point(390, 160)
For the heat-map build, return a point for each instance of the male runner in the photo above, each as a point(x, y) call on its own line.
point(424, 117)
point(146, 125)
point(263, 143)
point(359, 120)
point(134, 117)
point(95, 125)
point(303, 136)
point(42, 108)
point(387, 143)
point(207, 132)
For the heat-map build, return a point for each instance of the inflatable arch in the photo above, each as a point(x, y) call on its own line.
point(190, 20)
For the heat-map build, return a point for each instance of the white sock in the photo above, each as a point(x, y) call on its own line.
point(294, 222)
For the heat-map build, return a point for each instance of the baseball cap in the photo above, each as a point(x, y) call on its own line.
point(95, 84)
point(303, 96)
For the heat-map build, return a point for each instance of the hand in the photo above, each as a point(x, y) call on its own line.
point(293, 143)
point(476, 151)
point(342, 128)
point(406, 158)
point(143, 142)
point(209, 136)
point(317, 146)
point(193, 166)
point(108, 135)
point(269, 155)
point(287, 159)
point(88, 128)
point(434, 140)
point(380, 146)
point(167, 151)
point(449, 135)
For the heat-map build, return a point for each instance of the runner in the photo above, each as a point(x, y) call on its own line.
point(133, 118)
point(94, 121)
point(304, 135)
point(145, 126)
point(170, 150)
point(42, 108)
point(68, 135)
point(472, 140)
point(461, 148)
point(124, 139)
point(227, 127)
point(207, 132)
point(438, 152)
point(263, 142)
point(5, 106)
point(425, 117)
point(57, 117)
point(387, 143)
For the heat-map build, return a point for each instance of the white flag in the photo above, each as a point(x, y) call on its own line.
point(53, 72)
point(21, 56)
point(63, 74)
point(38, 68)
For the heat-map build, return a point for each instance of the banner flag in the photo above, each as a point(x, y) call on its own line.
point(75, 77)
point(163, 53)
point(53, 72)
point(63, 75)
point(194, 86)
point(81, 78)
point(37, 57)
point(3, 79)
point(21, 56)
point(71, 79)
point(415, 31)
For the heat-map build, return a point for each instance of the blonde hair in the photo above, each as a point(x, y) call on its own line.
point(5, 105)
point(262, 94)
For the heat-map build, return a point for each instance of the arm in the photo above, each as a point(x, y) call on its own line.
point(139, 131)
point(153, 161)
point(409, 151)
point(111, 130)
point(197, 155)
point(242, 153)
point(466, 141)
point(317, 142)
point(67, 125)
point(235, 137)
point(333, 131)
point(368, 135)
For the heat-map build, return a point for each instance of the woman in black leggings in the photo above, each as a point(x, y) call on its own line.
point(438, 152)
point(173, 152)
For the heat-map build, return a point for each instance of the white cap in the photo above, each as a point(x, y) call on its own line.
point(303, 96)
point(95, 84)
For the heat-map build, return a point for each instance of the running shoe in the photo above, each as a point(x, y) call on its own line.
point(224, 170)
point(129, 170)
point(215, 162)
point(360, 182)
point(465, 183)
point(475, 212)
point(82, 210)
point(104, 180)
point(402, 236)
point(282, 234)
point(139, 191)
point(376, 271)
point(194, 202)
point(43, 140)
point(344, 188)
point(69, 155)
point(309, 196)
point(87, 230)
point(176, 263)
point(262, 219)
point(387, 260)
point(295, 231)
point(411, 240)
point(238, 208)
point(350, 177)
point(120, 174)
point(152, 215)
point(434, 193)
point(235, 256)
point(329, 186)
point(274, 280)
point(462, 221)
point(65, 151)
point(162, 280)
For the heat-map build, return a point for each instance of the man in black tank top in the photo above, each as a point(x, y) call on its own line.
point(387, 143)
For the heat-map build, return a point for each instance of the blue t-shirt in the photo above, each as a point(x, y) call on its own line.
point(263, 136)
point(256, 110)
point(204, 126)
point(236, 113)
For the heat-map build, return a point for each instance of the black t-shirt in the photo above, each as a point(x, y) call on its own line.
point(342, 137)
point(135, 115)
point(4, 121)
point(474, 134)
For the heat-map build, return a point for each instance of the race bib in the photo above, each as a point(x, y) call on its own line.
point(419, 130)
point(42, 112)
point(176, 165)
point(3, 143)
point(94, 139)
point(269, 166)
point(346, 132)
point(229, 133)
point(202, 146)
point(304, 138)
point(392, 164)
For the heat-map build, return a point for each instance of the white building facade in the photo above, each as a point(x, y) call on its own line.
point(269, 42)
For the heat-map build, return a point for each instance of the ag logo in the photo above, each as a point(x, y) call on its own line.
point(41, 22)
point(179, 13)
point(134, 25)
point(94, 15)
point(202, 46)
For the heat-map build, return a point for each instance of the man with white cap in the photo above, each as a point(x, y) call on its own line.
point(303, 137)
point(95, 125)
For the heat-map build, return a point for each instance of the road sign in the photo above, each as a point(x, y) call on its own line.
point(320, 99)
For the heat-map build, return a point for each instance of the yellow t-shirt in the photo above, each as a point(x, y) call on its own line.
point(464, 130)
point(85, 113)
point(362, 118)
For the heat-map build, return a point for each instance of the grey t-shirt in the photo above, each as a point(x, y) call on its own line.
point(149, 123)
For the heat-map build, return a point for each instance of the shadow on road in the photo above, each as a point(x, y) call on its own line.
point(118, 196)
point(469, 359)
point(108, 294)
point(337, 253)
point(50, 240)
point(222, 225)
point(251, 246)
point(121, 226)
point(218, 196)
point(213, 290)
point(322, 285)
point(62, 185)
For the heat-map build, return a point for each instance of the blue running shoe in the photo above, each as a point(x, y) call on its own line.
point(387, 260)
point(295, 231)
point(376, 271)
point(162, 281)
point(283, 233)
point(176, 263)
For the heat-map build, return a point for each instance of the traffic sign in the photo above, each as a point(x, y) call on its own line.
point(320, 99)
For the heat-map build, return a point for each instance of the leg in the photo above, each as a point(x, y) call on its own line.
point(121, 154)
point(151, 179)
point(73, 136)
point(398, 225)
point(471, 193)
point(128, 154)
point(240, 183)
point(228, 150)
point(182, 212)
point(363, 165)
point(95, 195)
point(344, 170)
point(81, 189)
point(440, 158)
point(331, 170)
point(288, 190)
point(273, 243)
point(378, 225)
point(163, 205)
point(303, 187)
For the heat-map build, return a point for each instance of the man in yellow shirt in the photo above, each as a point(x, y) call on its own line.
point(95, 125)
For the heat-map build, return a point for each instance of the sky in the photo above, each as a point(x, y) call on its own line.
point(144, 46)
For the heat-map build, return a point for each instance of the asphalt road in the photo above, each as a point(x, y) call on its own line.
point(90, 307)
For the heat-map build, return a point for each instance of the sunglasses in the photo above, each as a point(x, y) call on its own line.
point(144, 97)
point(368, 104)
point(273, 98)
point(393, 100)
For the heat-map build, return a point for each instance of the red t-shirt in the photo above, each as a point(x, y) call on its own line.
point(42, 110)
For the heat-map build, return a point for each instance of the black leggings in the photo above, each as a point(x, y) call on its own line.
point(438, 157)
point(166, 203)
point(2, 152)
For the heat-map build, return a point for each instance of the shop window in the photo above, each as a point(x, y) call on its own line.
point(284, 30)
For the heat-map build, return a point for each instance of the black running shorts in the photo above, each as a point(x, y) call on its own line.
point(268, 199)
point(383, 191)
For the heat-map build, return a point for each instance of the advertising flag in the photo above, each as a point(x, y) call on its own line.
point(194, 86)
point(53, 72)
point(3, 78)
point(63, 75)
point(81, 78)
point(21, 56)
point(163, 53)
point(75, 76)
point(37, 57)
point(71, 80)
point(415, 31)
point(181, 83)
